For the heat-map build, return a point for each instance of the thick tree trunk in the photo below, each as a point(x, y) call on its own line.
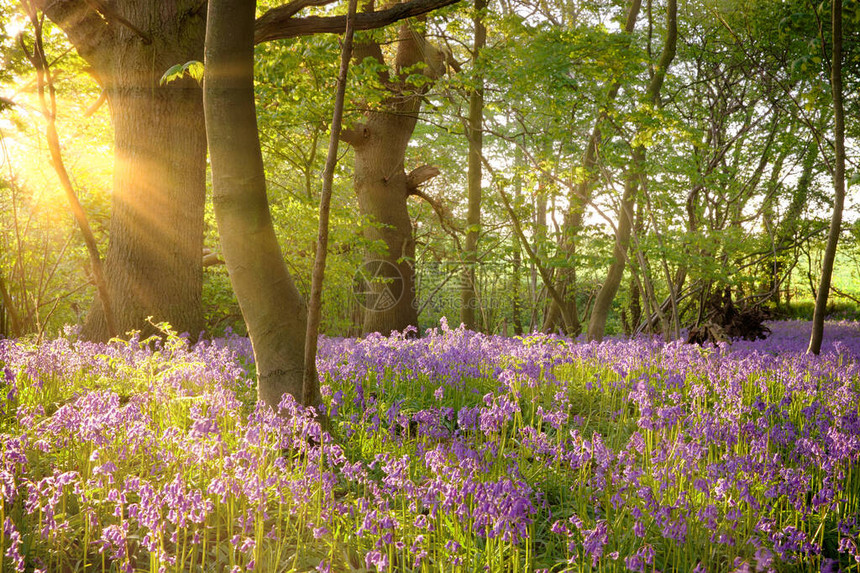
point(468, 294)
point(154, 259)
point(380, 185)
point(272, 307)
point(383, 186)
point(817, 335)
point(153, 262)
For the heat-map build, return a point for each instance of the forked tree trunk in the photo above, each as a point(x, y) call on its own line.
point(383, 186)
point(153, 262)
point(272, 307)
point(578, 203)
point(603, 301)
point(607, 292)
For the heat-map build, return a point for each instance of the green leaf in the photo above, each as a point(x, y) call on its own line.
point(193, 69)
point(172, 73)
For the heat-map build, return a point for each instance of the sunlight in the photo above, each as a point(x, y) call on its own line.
point(87, 154)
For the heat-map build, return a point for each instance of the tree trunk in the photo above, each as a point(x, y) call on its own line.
point(540, 235)
point(603, 302)
point(154, 259)
point(153, 264)
point(516, 275)
point(311, 381)
point(578, 202)
point(271, 305)
point(817, 335)
point(380, 185)
point(9, 321)
point(468, 295)
point(383, 186)
point(607, 292)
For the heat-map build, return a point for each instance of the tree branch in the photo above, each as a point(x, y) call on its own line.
point(112, 15)
point(96, 104)
point(86, 28)
point(420, 176)
point(292, 8)
point(278, 23)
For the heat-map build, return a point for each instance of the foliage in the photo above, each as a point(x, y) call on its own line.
point(192, 69)
point(745, 100)
point(42, 257)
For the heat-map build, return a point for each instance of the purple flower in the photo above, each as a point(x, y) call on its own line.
point(594, 540)
point(376, 559)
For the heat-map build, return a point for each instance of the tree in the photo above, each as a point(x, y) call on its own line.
point(635, 177)
point(272, 307)
point(310, 382)
point(153, 263)
point(838, 181)
point(468, 298)
point(578, 202)
point(382, 184)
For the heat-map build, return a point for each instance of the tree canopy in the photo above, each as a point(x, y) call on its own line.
point(518, 165)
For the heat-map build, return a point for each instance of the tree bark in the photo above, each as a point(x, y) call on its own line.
point(603, 302)
point(817, 335)
point(271, 305)
point(11, 324)
point(311, 381)
point(153, 261)
point(382, 186)
point(607, 292)
point(468, 294)
point(578, 202)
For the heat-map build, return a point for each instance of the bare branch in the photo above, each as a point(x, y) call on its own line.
point(211, 258)
point(96, 104)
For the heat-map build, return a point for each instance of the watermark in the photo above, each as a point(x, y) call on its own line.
point(438, 285)
point(378, 286)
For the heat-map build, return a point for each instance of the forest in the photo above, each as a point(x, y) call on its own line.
point(430, 285)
